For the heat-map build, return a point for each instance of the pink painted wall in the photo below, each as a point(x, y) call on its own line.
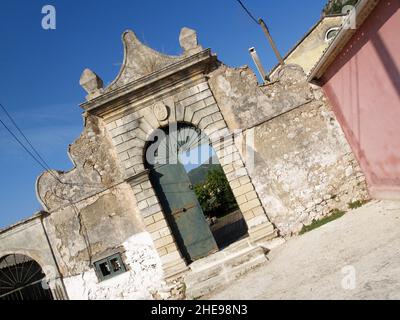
point(363, 86)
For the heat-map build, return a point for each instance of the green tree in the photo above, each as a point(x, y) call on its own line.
point(335, 6)
point(215, 195)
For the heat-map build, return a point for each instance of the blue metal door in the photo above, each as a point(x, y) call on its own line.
point(180, 203)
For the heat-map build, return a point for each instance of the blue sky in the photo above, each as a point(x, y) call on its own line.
point(40, 70)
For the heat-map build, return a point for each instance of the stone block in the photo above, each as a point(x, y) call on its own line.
point(243, 189)
point(250, 205)
point(259, 211)
point(149, 220)
point(164, 231)
point(155, 235)
point(251, 195)
point(256, 221)
point(159, 216)
point(152, 200)
point(142, 205)
point(172, 258)
point(151, 210)
point(248, 215)
point(234, 184)
point(202, 86)
point(110, 126)
point(262, 232)
point(157, 226)
point(164, 241)
point(210, 101)
point(171, 248)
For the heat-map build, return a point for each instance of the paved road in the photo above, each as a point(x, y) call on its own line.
point(355, 257)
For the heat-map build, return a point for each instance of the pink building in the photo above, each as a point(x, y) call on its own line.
point(360, 73)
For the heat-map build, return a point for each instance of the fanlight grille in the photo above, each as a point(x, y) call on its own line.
point(21, 279)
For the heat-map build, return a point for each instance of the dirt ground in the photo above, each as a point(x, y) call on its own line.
point(354, 257)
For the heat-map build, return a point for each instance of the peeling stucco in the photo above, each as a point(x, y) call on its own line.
point(95, 169)
point(143, 279)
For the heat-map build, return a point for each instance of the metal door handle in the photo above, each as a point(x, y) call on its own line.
point(183, 210)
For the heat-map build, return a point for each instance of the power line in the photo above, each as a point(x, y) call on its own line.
point(248, 12)
point(26, 149)
point(21, 144)
point(24, 136)
point(261, 23)
point(46, 167)
point(41, 164)
point(35, 154)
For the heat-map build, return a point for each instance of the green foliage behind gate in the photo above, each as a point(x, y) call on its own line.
point(215, 195)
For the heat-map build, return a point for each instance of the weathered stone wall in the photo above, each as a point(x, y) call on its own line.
point(245, 104)
point(144, 279)
point(95, 169)
point(95, 228)
point(29, 238)
point(304, 168)
point(303, 165)
point(93, 215)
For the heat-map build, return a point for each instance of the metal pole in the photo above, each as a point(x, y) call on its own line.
point(258, 64)
point(271, 41)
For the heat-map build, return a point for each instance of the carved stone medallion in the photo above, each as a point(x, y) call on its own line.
point(161, 111)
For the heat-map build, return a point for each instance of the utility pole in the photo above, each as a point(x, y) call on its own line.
point(271, 41)
point(266, 31)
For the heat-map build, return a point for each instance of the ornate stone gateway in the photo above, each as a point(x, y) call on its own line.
point(283, 155)
point(175, 192)
point(155, 91)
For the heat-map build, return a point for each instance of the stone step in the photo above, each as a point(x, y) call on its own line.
point(200, 289)
point(211, 273)
point(219, 256)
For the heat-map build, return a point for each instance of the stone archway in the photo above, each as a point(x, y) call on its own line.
point(172, 155)
point(141, 100)
point(22, 278)
point(137, 127)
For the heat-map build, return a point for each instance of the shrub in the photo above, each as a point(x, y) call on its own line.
point(357, 204)
point(334, 215)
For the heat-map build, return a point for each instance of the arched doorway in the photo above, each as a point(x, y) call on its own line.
point(174, 153)
point(22, 278)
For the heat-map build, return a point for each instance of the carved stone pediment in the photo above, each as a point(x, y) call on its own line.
point(141, 60)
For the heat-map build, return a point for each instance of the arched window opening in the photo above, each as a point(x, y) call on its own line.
point(22, 278)
point(331, 34)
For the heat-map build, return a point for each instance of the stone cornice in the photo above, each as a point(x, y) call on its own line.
point(199, 63)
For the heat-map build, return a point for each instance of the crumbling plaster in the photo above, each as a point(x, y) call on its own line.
point(28, 238)
point(93, 214)
point(95, 169)
point(82, 232)
point(303, 165)
point(143, 280)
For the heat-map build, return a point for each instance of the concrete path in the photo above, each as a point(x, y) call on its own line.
point(355, 257)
